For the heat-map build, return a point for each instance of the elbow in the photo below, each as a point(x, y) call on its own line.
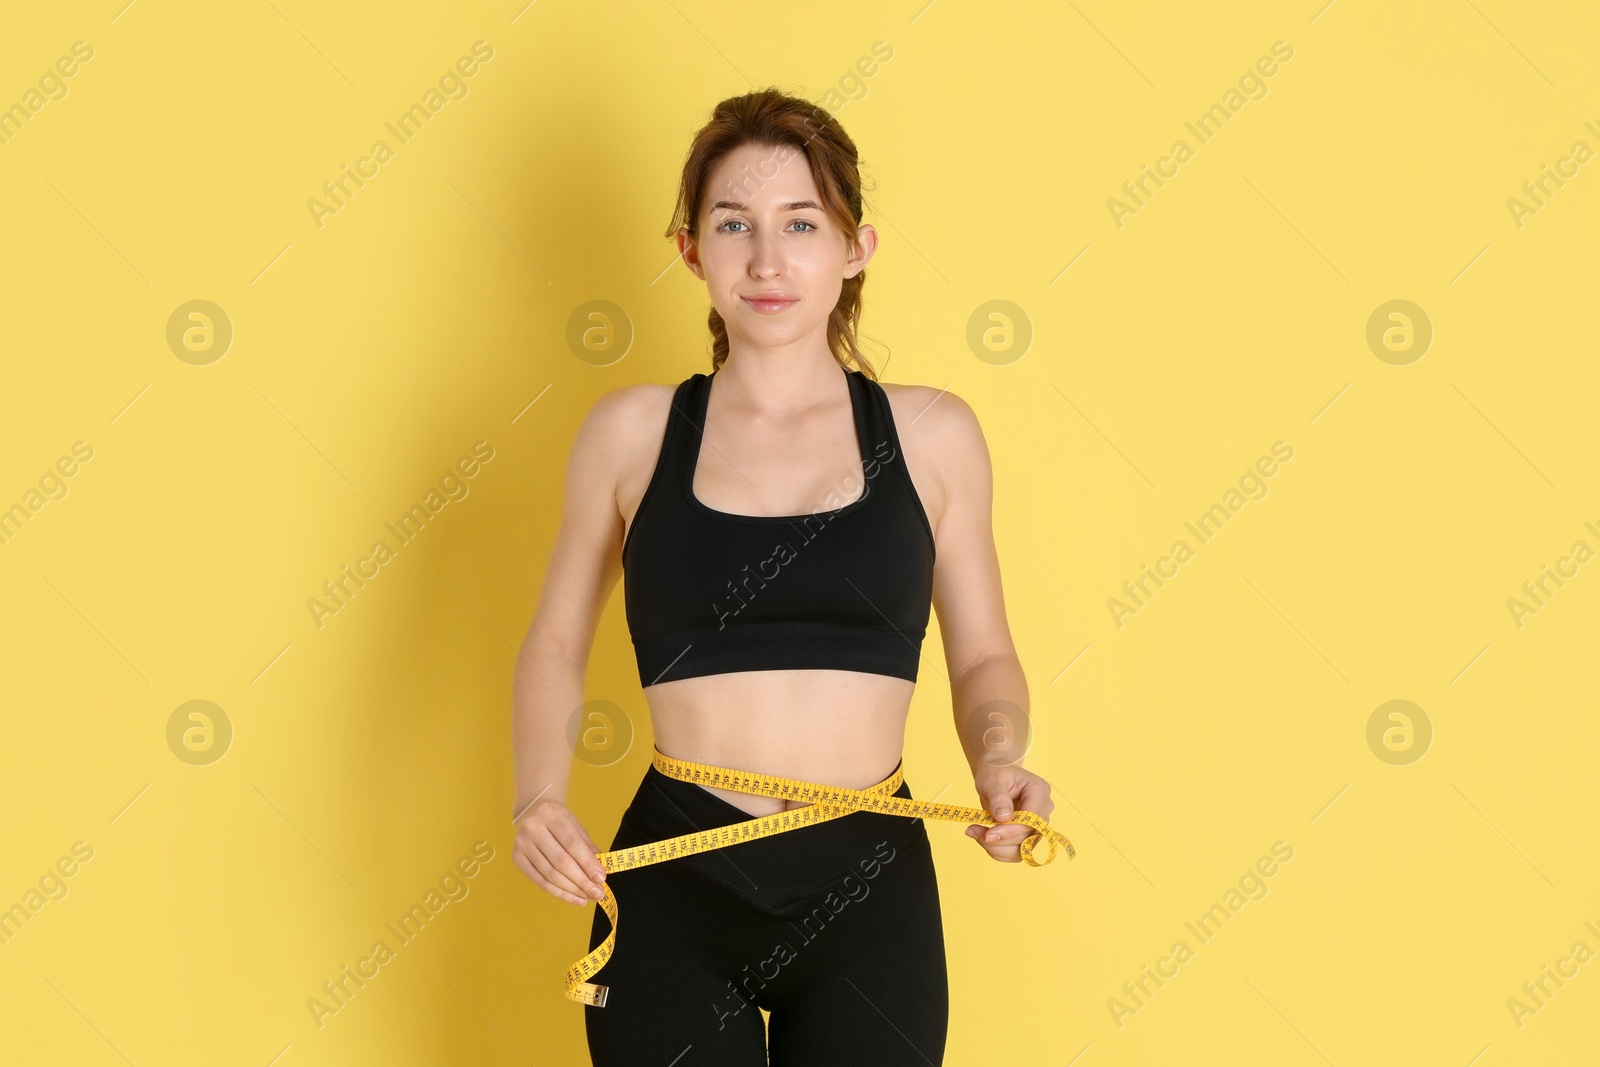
point(546, 653)
point(981, 661)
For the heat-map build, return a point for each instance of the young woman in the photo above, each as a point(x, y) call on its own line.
point(785, 524)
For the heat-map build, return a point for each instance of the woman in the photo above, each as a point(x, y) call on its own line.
point(785, 525)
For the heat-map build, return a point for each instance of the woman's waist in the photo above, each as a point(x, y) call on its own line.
point(851, 742)
point(796, 691)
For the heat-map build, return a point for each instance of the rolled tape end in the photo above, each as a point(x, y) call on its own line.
point(589, 993)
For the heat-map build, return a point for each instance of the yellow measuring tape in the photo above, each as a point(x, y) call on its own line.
point(822, 803)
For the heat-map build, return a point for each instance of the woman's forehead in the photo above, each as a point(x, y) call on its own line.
point(758, 179)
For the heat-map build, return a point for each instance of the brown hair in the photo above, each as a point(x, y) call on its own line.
point(770, 118)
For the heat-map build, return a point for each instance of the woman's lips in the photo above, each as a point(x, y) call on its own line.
point(770, 305)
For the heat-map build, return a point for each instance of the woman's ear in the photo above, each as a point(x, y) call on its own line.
point(690, 253)
point(860, 254)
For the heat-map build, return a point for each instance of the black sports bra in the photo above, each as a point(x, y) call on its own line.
point(709, 592)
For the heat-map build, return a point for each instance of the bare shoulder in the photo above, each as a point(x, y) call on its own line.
point(934, 422)
point(630, 402)
point(944, 446)
point(624, 421)
point(618, 446)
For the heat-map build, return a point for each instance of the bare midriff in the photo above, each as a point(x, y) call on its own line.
point(844, 728)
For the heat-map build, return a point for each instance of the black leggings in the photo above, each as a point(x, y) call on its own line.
point(833, 928)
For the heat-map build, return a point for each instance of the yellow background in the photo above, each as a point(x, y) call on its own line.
point(371, 352)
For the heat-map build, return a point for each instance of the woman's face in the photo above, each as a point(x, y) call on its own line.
point(772, 259)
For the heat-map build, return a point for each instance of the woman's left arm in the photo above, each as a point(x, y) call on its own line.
point(988, 690)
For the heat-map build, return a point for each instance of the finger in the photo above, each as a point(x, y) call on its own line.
point(1006, 834)
point(1000, 804)
point(578, 845)
point(1036, 797)
point(557, 882)
point(568, 865)
point(544, 883)
point(1003, 829)
point(977, 834)
point(981, 835)
point(524, 866)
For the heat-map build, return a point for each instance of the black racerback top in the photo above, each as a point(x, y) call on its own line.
point(709, 592)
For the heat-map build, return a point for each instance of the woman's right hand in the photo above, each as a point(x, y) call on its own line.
point(555, 851)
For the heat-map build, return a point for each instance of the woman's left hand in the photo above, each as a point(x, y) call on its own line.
point(1004, 790)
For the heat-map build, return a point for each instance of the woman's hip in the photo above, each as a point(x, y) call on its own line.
point(771, 873)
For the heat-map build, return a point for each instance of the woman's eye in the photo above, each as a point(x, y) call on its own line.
point(740, 222)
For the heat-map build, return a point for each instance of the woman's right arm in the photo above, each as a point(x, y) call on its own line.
point(552, 847)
